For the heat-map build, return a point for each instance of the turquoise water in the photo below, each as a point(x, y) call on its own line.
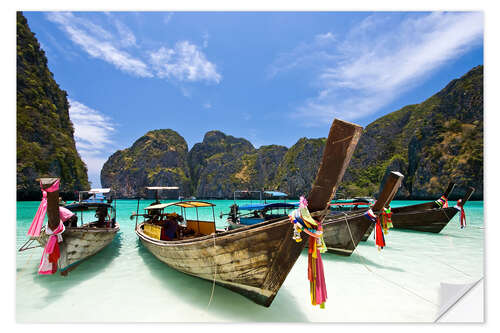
point(125, 283)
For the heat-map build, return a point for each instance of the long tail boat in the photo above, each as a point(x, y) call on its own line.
point(78, 242)
point(255, 260)
point(344, 230)
point(430, 216)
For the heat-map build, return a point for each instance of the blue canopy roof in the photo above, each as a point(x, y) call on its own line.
point(276, 193)
point(268, 206)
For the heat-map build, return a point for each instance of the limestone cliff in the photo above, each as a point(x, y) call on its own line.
point(45, 142)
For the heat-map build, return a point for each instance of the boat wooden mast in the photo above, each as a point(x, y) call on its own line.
point(340, 145)
point(52, 203)
point(467, 195)
point(450, 188)
point(389, 191)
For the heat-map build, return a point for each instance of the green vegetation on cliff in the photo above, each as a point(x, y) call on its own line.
point(431, 143)
point(45, 142)
point(158, 158)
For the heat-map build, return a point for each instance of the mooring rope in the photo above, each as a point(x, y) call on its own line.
point(458, 270)
point(215, 273)
point(379, 275)
point(25, 265)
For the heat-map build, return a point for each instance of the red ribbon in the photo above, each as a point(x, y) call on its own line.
point(379, 234)
point(463, 221)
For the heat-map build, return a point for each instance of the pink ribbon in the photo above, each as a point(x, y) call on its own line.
point(37, 223)
point(48, 263)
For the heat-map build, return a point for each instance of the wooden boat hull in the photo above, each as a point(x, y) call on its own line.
point(431, 220)
point(252, 261)
point(343, 232)
point(427, 220)
point(80, 243)
point(368, 232)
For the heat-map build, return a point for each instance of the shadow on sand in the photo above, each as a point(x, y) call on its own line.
point(57, 284)
point(230, 305)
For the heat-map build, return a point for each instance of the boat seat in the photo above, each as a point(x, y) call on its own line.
point(201, 227)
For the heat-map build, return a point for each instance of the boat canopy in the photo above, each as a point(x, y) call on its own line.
point(274, 205)
point(84, 205)
point(276, 193)
point(99, 190)
point(162, 187)
point(184, 204)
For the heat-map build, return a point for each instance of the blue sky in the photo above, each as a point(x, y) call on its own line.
point(268, 77)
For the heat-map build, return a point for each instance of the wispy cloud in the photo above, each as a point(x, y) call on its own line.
point(127, 37)
point(184, 62)
point(167, 18)
point(207, 105)
point(93, 132)
point(98, 43)
point(363, 71)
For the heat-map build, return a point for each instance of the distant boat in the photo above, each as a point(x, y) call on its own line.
point(240, 216)
point(351, 204)
point(426, 217)
point(83, 241)
point(253, 260)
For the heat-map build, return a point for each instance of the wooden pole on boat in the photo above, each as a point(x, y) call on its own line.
point(467, 195)
point(52, 203)
point(450, 188)
point(389, 191)
point(137, 214)
point(340, 145)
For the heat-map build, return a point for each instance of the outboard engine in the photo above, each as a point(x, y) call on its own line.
point(233, 214)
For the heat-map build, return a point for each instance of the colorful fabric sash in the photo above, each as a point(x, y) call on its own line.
point(460, 207)
point(379, 235)
point(37, 223)
point(51, 253)
point(303, 221)
point(442, 202)
point(386, 219)
point(371, 215)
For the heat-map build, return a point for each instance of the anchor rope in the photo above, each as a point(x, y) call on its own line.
point(458, 270)
point(215, 273)
point(362, 261)
point(25, 265)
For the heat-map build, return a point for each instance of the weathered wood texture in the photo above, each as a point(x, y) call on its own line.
point(340, 145)
point(252, 260)
point(391, 186)
point(52, 203)
point(80, 243)
point(255, 260)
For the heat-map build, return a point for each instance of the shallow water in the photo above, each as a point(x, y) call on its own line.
point(126, 283)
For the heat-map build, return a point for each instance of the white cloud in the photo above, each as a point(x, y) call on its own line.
point(207, 105)
point(377, 60)
point(93, 132)
point(98, 43)
point(126, 35)
point(184, 62)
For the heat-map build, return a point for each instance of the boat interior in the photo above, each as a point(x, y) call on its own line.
point(169, 226)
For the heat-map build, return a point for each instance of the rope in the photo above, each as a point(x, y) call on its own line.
point(25, 265)
point(215, 273)
point(377, 274)
point(458, 270)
